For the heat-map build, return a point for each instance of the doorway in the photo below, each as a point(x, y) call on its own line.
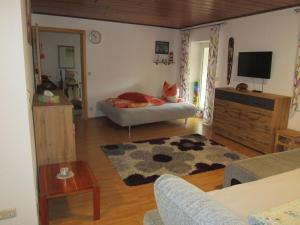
point(60, 60)
point(198, 70)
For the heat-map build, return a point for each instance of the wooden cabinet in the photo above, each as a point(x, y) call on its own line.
point(54, 131)
point(250, 118)
point(287, 139)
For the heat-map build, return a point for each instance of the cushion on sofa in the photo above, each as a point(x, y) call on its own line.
point(181, 203)
point(259, 167)
point(286, 214)
point(170, 92)
point(133, 96)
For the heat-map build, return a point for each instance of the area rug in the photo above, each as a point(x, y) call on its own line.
point(143, 162)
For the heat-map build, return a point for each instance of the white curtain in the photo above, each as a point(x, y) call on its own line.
point(211, 75)
point(184, 73)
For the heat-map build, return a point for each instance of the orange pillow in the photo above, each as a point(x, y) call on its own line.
point(170, 92)
point(133, 96)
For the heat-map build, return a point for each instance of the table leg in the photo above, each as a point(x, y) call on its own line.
point(96, 201)
point(276, 143)
point(44, 210)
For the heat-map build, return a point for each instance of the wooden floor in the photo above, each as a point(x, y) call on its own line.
point(121, 204)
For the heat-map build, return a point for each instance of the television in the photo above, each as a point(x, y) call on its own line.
point(255, 64)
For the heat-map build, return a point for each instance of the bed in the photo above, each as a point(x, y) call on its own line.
point(127, 117)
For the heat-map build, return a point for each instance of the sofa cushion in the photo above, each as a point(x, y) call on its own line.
point(253, 197)
point(170, 92)
point(133, 96)
point(288, 213)
point(181, 203)
point(259, 167)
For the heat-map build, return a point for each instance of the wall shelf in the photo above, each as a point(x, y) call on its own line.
point(163, 62)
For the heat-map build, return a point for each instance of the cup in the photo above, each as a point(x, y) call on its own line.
point(64, 171)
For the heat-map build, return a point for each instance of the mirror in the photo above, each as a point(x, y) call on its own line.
point(66, 56)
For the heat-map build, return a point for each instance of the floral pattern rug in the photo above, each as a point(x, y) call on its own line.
point(143, 162)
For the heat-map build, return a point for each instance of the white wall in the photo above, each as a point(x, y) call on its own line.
point(276, 31)
point(49, 47)
point(124, 59)
point(17, 153)
point(201, 34)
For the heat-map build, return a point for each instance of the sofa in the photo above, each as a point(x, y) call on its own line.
point(127, 117)
point(181, 203)
point(251, 169)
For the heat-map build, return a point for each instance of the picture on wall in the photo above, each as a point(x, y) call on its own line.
point(66, 56)
point(161, 47)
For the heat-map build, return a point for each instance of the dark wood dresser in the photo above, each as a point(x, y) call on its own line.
point(250, 118)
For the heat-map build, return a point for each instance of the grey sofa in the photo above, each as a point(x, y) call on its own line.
point(251, 169)
point(181, 203)
point(127, 117)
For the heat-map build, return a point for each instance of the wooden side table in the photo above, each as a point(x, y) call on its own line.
point(51, 187)
point(287, 139)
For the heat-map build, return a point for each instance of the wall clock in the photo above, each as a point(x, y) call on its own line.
point(95, 37)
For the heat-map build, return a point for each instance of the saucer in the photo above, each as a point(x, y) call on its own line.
point(63, 177)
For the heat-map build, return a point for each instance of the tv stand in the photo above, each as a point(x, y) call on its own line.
point(250, 118)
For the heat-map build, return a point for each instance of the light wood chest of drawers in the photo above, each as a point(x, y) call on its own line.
point(250, 118)
point(54, 131)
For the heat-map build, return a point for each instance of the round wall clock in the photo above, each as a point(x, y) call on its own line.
point(95, 37)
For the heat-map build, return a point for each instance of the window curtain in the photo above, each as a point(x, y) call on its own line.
point(184, 73)
point(296, 94)
point(211, 75)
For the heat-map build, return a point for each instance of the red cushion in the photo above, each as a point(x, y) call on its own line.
point(133, 96)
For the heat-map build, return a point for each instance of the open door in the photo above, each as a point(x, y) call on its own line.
point(59, 57)
point(36, 56)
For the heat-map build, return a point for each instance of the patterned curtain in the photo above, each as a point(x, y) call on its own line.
point(184, 73)
point(211, 75)
point(296, 95)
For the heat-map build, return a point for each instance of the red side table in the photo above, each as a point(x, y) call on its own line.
point(51, 187)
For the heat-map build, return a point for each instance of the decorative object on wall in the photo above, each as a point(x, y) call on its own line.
point(184, 73)
point(161, 47)
point(162, 59)
point(28, 21)
point(296, 94)
point(95, 37)
point(211, 75)
point(171, 57)
point(66, 56)
point(230, 59)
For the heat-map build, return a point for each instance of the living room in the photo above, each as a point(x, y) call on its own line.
point(125, 60)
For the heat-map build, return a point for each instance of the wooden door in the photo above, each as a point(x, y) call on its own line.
point(36, 55)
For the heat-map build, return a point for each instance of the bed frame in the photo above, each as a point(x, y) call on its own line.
point(128, 117)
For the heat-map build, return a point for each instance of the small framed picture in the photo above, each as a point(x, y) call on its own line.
point(66, 57)
point(161, 47)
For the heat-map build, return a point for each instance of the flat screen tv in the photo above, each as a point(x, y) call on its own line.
point(255, 64)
